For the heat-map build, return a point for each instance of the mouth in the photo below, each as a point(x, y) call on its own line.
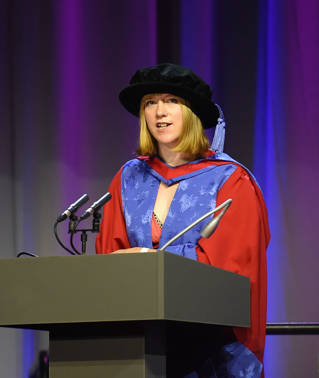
point(162, 125)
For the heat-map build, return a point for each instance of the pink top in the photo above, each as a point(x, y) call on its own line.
point(156, 230)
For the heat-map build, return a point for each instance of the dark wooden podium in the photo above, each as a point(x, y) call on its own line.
point(131, 315)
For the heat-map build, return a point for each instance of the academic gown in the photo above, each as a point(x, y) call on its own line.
point(238, 245)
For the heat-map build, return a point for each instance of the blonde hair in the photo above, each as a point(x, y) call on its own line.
point(193, 140)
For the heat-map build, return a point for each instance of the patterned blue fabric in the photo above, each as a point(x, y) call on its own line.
point(233, 361)
point(239, 361)
point(195, 196)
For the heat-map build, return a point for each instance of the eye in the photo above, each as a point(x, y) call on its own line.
point(173, 100)
point(149, 102)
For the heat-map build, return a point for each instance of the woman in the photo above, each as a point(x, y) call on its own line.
point(175, 179)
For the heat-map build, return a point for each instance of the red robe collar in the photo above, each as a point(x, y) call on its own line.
point(168, 172)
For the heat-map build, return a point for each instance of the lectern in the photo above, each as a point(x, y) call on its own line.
point(123, 315)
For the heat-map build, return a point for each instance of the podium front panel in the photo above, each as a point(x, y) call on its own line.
point(42, 292)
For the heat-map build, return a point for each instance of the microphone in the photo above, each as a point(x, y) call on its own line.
point(73, 208)
point(208, 229)
point(211, 226)
point(96, 205)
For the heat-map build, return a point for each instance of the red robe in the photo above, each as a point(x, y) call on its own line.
point(238, 245)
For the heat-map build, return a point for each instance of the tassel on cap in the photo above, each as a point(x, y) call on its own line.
point(219, 135)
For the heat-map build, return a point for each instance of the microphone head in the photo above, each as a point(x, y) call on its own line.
point(102, 201)
point(73, 208)
point(210, 227)
point(96, 206)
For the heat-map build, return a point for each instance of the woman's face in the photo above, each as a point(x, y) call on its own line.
point(164, 118)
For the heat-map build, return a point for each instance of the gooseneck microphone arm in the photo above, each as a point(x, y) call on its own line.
point(225, 205)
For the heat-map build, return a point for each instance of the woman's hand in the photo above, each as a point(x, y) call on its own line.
point(133, 250)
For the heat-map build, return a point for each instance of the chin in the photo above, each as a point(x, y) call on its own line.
point(167, 144)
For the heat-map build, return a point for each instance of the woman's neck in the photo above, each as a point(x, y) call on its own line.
point(173, 158)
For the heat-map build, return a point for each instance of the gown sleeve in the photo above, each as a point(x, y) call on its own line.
point(112, 235)
point(239, 245)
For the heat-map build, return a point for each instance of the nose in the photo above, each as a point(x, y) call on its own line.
point(161, 110)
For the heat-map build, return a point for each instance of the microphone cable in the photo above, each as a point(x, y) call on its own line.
point(26, 254)
point(60, 242)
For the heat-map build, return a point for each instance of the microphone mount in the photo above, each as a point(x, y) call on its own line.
point(73, 230)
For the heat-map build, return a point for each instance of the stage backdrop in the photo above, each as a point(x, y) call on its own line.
point(63, 132)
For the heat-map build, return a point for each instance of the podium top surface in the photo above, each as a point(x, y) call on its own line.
point(45, 291)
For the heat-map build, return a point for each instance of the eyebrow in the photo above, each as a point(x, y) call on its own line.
point(153, 96)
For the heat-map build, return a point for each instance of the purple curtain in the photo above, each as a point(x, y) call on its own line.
point(286, 154)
